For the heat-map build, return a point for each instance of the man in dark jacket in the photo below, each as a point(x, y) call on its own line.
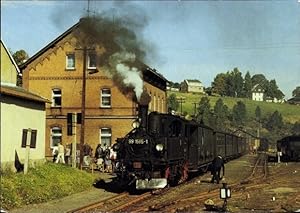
point(216, 166)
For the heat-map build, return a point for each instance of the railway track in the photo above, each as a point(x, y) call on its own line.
point(185, 200)
point(113, 204)
point(257, 178)
point(260, 169)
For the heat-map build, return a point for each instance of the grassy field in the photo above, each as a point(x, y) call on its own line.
point(290, 113)
point(46, 182)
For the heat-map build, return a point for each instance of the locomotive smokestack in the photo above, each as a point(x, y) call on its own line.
point(143, 108)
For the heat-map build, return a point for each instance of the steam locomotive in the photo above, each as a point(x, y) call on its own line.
point(289, 147)
point(164, 149)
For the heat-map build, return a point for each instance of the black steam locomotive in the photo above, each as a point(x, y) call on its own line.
point(289, 147)
point(164, 149)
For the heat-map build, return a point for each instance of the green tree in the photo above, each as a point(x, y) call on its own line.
point(239, 113)
point(296, 92)
point(273, 91)
point(238, 82)
point(229, 86)
point(274, 122)
point(220, 114)
point(219, 84)
point(259, 79)
point(296, 128)
point(20, 56)
point(247, 86)
point(258, 114)
point(204, 114)
point(172, 102)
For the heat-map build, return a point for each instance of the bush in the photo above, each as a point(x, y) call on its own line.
point(47, 182)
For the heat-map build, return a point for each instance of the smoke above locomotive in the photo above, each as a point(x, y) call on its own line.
point(120, 33)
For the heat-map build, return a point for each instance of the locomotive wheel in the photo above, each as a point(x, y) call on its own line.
point(184, 173)
point(172, 175)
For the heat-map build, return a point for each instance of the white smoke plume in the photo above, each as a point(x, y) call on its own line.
point(130, 76)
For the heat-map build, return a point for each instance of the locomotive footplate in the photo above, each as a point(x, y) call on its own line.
point(154, 183)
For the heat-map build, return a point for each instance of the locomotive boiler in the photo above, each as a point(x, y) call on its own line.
point(163, 149)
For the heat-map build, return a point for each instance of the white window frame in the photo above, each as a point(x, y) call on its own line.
point(68, 56)
point(55, 96)
point(89, 61)
point(55, 134)
point(103, 134)
point(105, 96)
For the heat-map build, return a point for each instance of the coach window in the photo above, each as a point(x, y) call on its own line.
point(56, 135)
point(56, 97)
point(105, 136)
point(105, 98)
point(70, 61)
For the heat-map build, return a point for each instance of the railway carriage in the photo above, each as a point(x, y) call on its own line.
point(201, 147)
point(220, 146)
point(163, 149)
point(289, 147)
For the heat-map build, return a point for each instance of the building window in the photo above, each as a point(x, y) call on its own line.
point(105, 98)
point(70, 61)
point(92, 62)
point(56, 135)
point(105, 137)
point(56, 98)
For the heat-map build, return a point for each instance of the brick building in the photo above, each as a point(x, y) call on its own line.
point(56, 72)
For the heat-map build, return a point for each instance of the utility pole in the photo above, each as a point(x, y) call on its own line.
point(88, 8)
point(83, 105)
point(181, 101)
point(74, 142)
point(83, 97)
point(195, 108)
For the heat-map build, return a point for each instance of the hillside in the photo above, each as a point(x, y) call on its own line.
point(290, 113)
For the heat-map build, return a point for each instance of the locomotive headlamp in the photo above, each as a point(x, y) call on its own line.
point(159, 147)
point(136, 124)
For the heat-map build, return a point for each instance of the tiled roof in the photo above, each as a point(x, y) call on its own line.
point(294, 100)
point(19, 92)
point(256, 87)
point(141, 65)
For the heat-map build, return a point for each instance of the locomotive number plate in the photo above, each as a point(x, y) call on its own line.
point(137, 165)
point(137, 141)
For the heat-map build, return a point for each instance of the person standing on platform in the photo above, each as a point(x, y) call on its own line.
point(61, 154)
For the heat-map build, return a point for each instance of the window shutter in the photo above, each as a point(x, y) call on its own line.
point(24, 138)
point(69, 124)
point(33, 138)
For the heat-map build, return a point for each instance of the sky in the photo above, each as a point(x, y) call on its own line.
point(187, 39)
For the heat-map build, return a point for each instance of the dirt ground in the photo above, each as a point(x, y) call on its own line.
point(278, 192)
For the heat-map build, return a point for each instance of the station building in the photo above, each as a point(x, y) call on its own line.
point(60, 72)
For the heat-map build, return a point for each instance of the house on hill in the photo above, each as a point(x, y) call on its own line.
point(258, 93)
point(294, 100)
point(75, 71)
point(20, 110)
point(192, 86)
